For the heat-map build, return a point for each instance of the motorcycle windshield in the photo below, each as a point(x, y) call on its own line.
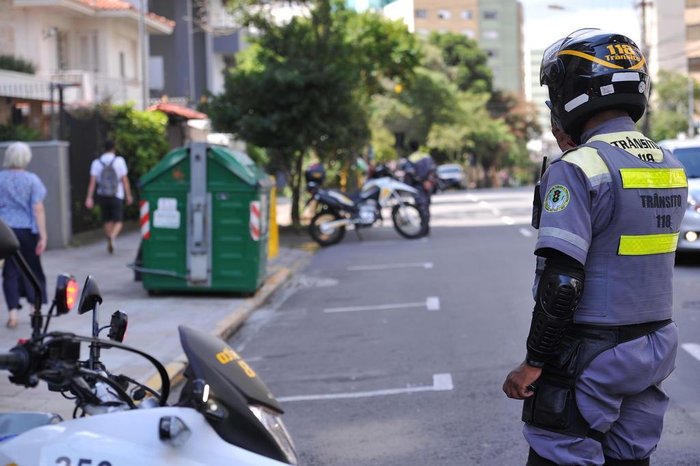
point(223, 369)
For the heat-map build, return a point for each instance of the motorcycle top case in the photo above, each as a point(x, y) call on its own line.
point(315, 174)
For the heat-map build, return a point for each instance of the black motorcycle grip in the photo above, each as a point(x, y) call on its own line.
point(14, 361)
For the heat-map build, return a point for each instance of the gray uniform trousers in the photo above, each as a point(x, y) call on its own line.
point(620, 394)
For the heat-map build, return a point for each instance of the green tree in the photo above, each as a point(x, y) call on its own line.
point(304, 86)
point(669, 105)
point(467, 62)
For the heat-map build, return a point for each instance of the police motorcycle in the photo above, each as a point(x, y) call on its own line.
point(225, 414)
point(335, 210)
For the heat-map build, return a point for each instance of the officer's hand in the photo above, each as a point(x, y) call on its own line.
point(517, 384)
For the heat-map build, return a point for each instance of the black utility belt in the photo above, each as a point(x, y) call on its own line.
point(553, 406)
point(622, 333)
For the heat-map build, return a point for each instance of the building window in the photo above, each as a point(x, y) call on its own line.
point(62, 50)
point(469, 33)
point(491, 53)
point(122, 65)
point(490, 14)
point(422, 13)
point(490, 35)
point(444, 14)
point(467, 14)
point(693, 32)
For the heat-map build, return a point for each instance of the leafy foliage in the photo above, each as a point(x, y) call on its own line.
point(669, 105)
point(18, 133)
point(140, 137)
point(304, 86)
point(467, 63)
point(12, 63)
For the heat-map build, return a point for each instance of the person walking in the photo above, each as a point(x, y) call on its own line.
point(109, 181)
point(22, 208)
point(601, 339)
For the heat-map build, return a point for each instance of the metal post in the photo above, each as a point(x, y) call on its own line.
point(645, 51)
point(143, 43)
point(691, 107)
point(61, 122)
point(54, 135)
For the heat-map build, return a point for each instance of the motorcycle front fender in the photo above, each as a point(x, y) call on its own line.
point(126, 438)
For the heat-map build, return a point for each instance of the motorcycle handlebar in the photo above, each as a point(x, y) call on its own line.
point(14, 361)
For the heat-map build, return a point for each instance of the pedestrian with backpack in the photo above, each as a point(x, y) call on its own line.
point(108, 181)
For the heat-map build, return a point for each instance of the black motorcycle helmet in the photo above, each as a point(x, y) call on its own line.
point(592, 70)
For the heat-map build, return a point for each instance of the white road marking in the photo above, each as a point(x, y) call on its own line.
point(525, 232)
point(693, 349)
point(432, 303)
point(508, 220)
point(357, 268)
point(472, 198)
point(391, 241)
point(441, 383)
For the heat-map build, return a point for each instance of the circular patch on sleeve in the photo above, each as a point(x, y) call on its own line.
point(557, 198)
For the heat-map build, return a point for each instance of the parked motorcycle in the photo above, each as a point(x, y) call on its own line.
point(225, 413)
point(336, 210)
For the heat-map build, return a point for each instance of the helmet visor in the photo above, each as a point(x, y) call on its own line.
point(551, 55)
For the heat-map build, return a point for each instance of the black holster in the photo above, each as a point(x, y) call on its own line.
point(553, 406)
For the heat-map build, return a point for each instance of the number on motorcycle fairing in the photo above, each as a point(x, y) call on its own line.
point(228, 355)
point(65, 461)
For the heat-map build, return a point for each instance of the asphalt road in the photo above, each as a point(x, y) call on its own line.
point(387, 351)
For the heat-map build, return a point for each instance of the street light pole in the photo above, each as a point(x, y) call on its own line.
point(645, 51)
point(143, 42)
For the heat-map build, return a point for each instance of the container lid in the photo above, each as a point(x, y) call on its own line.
point(236, 162)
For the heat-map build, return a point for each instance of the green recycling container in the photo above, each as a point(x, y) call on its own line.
point(204, 222)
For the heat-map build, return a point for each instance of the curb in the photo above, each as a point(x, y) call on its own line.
point(228, 325)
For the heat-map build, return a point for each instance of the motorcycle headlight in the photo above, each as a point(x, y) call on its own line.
point(274, 425)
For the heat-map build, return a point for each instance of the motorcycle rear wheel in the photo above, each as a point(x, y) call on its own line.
point(328, 238)
point(409, 221)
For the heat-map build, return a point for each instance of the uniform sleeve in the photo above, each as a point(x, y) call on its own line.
point(565, 224)
point(38, 191)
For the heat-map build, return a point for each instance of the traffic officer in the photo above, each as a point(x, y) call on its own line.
point(601, 339)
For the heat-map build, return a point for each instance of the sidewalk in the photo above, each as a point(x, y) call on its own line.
point(153, 320)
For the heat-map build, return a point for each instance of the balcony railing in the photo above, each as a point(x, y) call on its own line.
point(89, 87)
point(94, 87)
point(23, 86)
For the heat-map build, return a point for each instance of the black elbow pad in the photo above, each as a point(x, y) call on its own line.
point(558, 294)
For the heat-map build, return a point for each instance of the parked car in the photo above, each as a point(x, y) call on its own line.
point(688, 152)
point(451, 175)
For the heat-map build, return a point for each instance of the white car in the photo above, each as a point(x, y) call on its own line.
point(451, 175)
point(688, 152)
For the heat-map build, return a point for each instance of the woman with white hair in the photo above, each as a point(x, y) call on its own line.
point(22, 209)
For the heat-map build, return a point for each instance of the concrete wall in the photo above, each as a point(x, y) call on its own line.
point(50, 163)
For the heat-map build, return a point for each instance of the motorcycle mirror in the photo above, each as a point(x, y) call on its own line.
point(9, 244)
point(66, 293)
point(117, 326)
point(90, 297)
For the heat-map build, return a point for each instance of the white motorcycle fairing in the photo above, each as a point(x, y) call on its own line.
point(387, 187)
point(126, 438)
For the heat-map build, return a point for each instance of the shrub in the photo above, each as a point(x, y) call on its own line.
point(12, 63)
point(18, 133)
